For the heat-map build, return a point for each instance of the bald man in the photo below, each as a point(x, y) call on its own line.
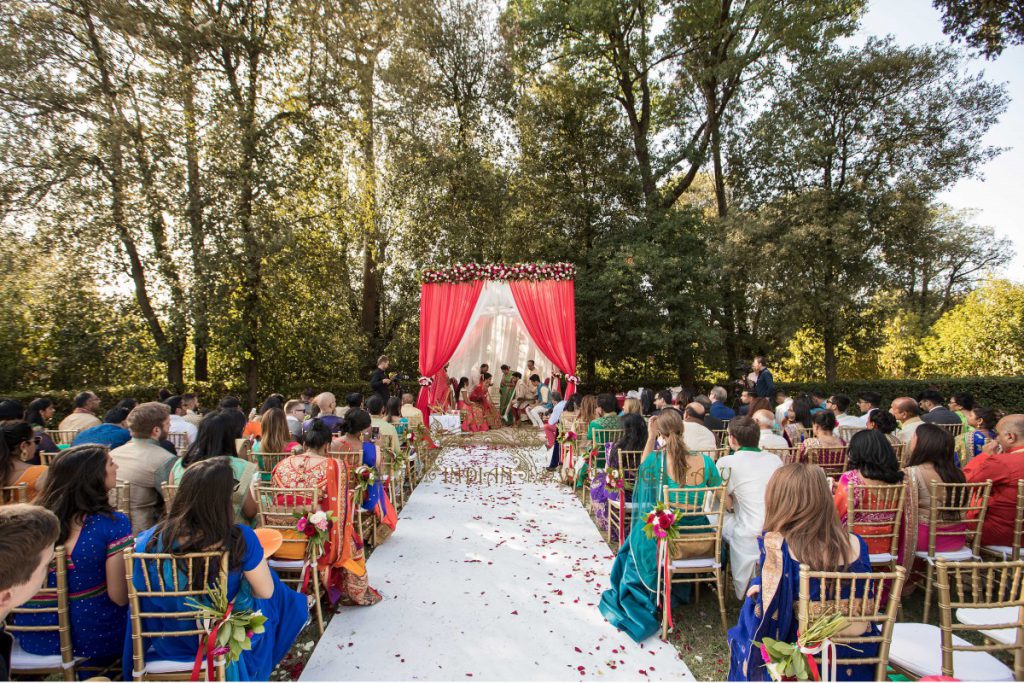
point(1002, 461)
point(326, 403)
point(696, 436)
point(907, 413)
point(770, 441)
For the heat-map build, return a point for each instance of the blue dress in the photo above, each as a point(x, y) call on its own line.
point(631, 601)
point(286, 613)
point(97, 624)
point(778, 618)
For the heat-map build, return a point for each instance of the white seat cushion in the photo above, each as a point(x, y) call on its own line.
point(286, 564)
point(961, 555)
point(917, 648)
point(880, 558)
point(614, 502)
point(166, 666)
point(21, 660)
point(695, 562)
point(1004, 550)
point(987, 616)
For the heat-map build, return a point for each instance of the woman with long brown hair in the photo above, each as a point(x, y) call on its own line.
point(801, 526)
point(631, 601)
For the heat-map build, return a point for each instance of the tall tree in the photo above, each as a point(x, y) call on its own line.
point(988, 26)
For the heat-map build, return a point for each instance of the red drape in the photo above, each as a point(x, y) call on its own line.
point(445, 310)
point(548, 309)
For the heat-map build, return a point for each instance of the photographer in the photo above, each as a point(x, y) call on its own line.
point(379, 380)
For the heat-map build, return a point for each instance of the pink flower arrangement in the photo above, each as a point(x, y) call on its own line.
point(661, 523)
point(468, 272)
point(425, 381)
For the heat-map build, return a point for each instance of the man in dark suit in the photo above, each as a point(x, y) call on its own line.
point(764, 387)
point(933, 409)
point(379, 380)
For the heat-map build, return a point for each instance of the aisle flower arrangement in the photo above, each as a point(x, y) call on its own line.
point(315, 526)
point(366, 477)
point(228, 633)
point(469, 272)
point(661, 523)
point(795, 661)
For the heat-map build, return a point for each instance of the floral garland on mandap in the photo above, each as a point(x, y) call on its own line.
point(468, 272)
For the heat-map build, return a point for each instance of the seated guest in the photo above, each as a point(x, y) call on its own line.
point(1003, 462)
point(230, 403)
point(884, 422)
point(343, 564)
point(607, 418)
point(393, 413)
point(543, 405)
point(907, 413)
point(747, 472)
point(971, 443)
point(818, 401)
point(525, 398)
point(718, 408)
point(758, 403)
point(179, 424)
point(113, 433)
point(801, 527)
point(839, 404)
point(746, 396)
point(631, 405)
point(933, 411)
point(84, 414)
point(276, 438)
point(307, 397)
point(710, 421)
point(375, 407)
point(11, 410)
point(17, 447)
point(769, 440)
point(27, 534)
point(872, 462)
point(629, 603)
point(95, 536)
point(139, 460)
point(356, 438)
point(662, 399)
point(822, 426)
point(634, 438)
point(216, 439)
point(324, 405)
point(932, 458)
point(294, 413)
point(39, 413)
point(551, 428)
point(783, 403)
point(696, 436)
point(201, 519)
point(962, 403)
point(254, 427)
point(481, 415)
point(410, 411)
point(647, 402)
point(352, 400)
point(190, 402)
point(866, 402)
point(798, 421)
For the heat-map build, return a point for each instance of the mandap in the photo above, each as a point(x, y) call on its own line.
point(496, 314)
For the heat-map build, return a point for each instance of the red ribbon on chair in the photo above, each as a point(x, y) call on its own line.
point(209, 647)
point(622, 513)
point(668, 585)
point(306, 575)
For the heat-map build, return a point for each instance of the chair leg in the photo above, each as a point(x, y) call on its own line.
point(316, 597)
point(927, 592)
point(666, 600)
point(719, 581)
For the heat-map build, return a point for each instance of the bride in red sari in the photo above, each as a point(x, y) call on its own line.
point(481, 414)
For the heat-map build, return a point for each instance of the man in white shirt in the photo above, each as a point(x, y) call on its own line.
point(696, 436)
point(866, 402)
point(784, 403)
point(294, 414)
point(190, 402)
point(179, 423)
point(84, 414)
point(839, 404)
point(746, 472)
point(906, 412)
point(769, 441)
point(410, 412)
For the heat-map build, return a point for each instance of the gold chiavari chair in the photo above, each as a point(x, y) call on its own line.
point(955, 430)
point(62, 437)
point(364, 521)
point(902, 453)
point(276, 509)
point(173, 579)
point(266, 462)
point(858, 598)
point(786, 455)
point(13, 494)
point(168, 491)
point(981, 598)
point(876, 518)
point(831, 459)
point(619, 508)
point(121, 497)
point(721, 437)
point(846, 432)
point(956, 509)
point(1010, 552)
point(52, 602)
point(694, 556)
point(180, 441)
point(596, 456)
point(797, 433)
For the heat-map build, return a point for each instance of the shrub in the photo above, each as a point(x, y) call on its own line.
point(1002, 393)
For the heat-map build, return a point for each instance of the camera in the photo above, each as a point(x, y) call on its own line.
point(400, 377)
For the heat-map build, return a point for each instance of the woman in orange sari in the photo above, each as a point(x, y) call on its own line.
point(17, 446)
point(872, 462)
point(343, 564)
point(481, 414)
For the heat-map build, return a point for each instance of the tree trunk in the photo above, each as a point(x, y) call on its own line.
point(194, 211)
point(373, 247)
point(591, 368)
point(829, 341)
point(252, 258)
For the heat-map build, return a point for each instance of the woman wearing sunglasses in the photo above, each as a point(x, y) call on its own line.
point(17, 446)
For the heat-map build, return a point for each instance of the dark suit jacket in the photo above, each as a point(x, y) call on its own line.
point(941, 415)
point(764, 387)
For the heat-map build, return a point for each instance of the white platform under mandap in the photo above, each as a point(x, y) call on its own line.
point(491, 581)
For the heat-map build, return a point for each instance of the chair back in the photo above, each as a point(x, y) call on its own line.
point(953, 505)
point(53, 601)
point(13, 494)
point(352, 458)
point(603, 436)
point(267, 461)
point(955, 430)
point(902, 453)
point(120, 497)
point(714, 453)
point(629, 464)
point(1018, 521)
point(180, 441)
point(986, 588)
point(857, 597)
point(701, 510)
point(846, 432)
point(721, 437)
point(798, 433)
point(169, 576)
point(278, 505)
point(878, 513)
point(168, 492)
point(787, 455)
point(831, 459)
point(62, 437)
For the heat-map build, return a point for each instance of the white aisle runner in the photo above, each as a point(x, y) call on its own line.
point(488, 581)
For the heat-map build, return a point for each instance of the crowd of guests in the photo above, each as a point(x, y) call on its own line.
point(198, 494)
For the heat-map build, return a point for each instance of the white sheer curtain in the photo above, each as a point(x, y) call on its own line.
point(496, 335)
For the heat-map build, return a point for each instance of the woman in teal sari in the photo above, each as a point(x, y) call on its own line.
point(631, 602)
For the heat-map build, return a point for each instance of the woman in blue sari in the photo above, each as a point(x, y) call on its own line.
point(201, 519)
point(631, 601)
point(801, 526)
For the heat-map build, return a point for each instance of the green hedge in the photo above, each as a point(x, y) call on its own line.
point(1002, 393)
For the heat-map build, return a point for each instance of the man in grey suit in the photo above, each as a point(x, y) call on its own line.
point(933, 411)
